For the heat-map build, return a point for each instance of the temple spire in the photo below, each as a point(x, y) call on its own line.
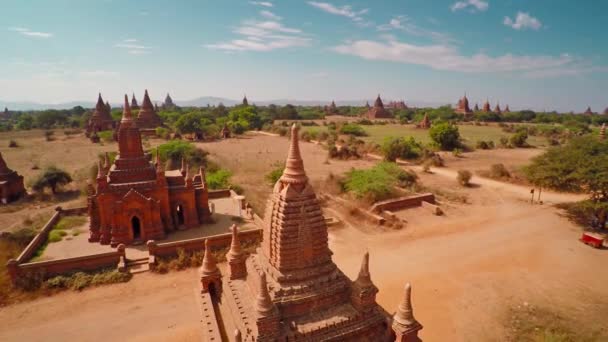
point(147, 103)
point(264, 304)
point(294, 165)
point(364, 276)
point(126, 112)
point(209, 266)
point(405, 312)
point(3, 167)
point(235, 244)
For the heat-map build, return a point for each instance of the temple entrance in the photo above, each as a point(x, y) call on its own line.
point(180, 215)
point(136, 228)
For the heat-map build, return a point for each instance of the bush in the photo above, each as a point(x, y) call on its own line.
point(52, 177)
point(519, 139)
point(353, 129)
point(12, 143)
point(56, 235)
point(377, 183)
point(163, 133)
point(485, 145)
point(176, 150)
point(499, 171)
point(402, 148)
point(446, 135)
point(464, 177)
point(457, 152)
point(219, 179)
point(273, 176)
point(48, 135)
point(107, 136)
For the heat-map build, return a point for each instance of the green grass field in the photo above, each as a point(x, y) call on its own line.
point(469, 133)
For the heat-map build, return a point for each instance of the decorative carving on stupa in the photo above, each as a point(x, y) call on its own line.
point(137, 200)
point(378, 111)
point(11, 183)
point(100, 120)
point(290, 289)
point(147, 117)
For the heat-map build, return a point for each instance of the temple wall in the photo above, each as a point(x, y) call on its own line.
point(403, 202)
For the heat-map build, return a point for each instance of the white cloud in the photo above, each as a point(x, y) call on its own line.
point(270, 15)
point(30, 33)
point(263, 36)
point(403, 23)
point(98, 73)
point(133, 47)
point(472, 5)
point(523, 21)
point(261, 3)
point(345, 11)
point(446, 57)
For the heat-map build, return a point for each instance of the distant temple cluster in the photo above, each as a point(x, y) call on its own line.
point(136, 200)
point(397, 105)
point(462, 107)
point(378, 111)
point(331, 109)
point(290, 289)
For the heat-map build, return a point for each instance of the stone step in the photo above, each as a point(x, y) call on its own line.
point(138, 268)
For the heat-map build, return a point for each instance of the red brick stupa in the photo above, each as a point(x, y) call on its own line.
point(378, 111)
point(147, 117)
point(397, 105)
point(463, 106)
point(486, 107)
point(291, 290)
point(101, 120)
point(137, 200)
point(588, 111)
point(168, 103)
point(134, 105)
point(507, 109)
point(331, 109)
point(425, 123)
point(11, 183)
point(497, 109)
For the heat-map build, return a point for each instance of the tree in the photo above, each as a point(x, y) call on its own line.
point(403, 148)
point(25, 122)
point(52, 177)
point(579, 166)
point(446, 135)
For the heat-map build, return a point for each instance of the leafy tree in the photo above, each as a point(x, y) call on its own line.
point(353, 129)
point(579, 166)
point(519, 139)
point(288, 112)
point(446, 135)
point(403, 148)
point(52, 177)
point(25, 122)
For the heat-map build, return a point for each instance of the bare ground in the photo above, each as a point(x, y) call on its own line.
point(469, 268)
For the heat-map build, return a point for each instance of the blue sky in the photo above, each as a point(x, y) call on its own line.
point(549, 54)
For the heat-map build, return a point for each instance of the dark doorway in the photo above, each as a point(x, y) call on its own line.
point(180, 215)
point(136, 227)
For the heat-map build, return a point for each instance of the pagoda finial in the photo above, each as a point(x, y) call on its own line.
point(294, 166)
point(405, 312)
point(263, 302)
point(364, 276)
point(209, 266)
point(126, 112)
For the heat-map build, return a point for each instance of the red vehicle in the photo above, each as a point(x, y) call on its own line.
point(592, 239)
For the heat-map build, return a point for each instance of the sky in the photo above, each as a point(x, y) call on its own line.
point(538, 54)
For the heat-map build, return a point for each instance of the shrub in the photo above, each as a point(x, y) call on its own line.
point(48, 135)
point(56, 235)
point(353, 129)
point(107, 136)
point(446, 135)
point(464, 177)
point(52, 177)
point(273, 176)
point(305, 136)
point(377, 183)
point(457, 152)
point(12, 143)
point(219, 179)
point(176, 150)
point(504, 141)
point(499, 171)
point(485, 145)
point(519, 139)
point(163, 133)
point(402, 148)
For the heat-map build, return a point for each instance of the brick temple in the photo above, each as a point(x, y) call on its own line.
point(11, 183)
point(397, 105)
point(290, 289)
point(378, 111)
point(332, 109)
point(147, 116)
point(486, 107)
point(463, 106)
point(100, 120)
point(137, 200)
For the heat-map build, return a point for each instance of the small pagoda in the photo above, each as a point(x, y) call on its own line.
point(486, 107)
point(332, 109)
point(497, 109)
point(425, 123)
point(245, 101)
point(476, 108)
point(588, 111)
point(100, 120)
point(507, 109)
point(168, 103)
point(137, 200)
point(605, 111)
point(134, 105)
point(147, 117)
point(378, 111)
point(11, 183)
point(463, 106)
point(603, 132)
point(290, 289)
point(397, 105)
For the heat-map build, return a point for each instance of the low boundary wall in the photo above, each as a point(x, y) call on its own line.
point(403, 202)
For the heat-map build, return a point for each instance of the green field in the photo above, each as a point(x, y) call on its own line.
point(469, 133)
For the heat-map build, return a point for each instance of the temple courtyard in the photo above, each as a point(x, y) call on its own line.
point(491, 258)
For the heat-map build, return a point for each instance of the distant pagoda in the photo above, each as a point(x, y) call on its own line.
point(497, 109)
point(507, 109)
point(290, 289)
point(100, 120)
point(378, 111)
point(332, 109)
point(426, 122)
point(476, 108)
point(147, 117)
point(486, 107)
point(588, 111)
point(397, 105)
point(11, 183)
point(463, 106)
point(134, 105)
point(245, 102)
point(168, 103)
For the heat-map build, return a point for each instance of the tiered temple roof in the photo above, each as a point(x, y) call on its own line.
point(134, 105)
point(147, 117)
point(101, 119)
point(291, 289)
point(378, 111)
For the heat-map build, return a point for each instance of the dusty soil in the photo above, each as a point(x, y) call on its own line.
point(469, 268)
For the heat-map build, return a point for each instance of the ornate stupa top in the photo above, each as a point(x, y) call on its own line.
point(294, 165)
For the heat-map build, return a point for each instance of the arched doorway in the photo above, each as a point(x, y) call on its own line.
point(136, 227)
point(179, 210)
